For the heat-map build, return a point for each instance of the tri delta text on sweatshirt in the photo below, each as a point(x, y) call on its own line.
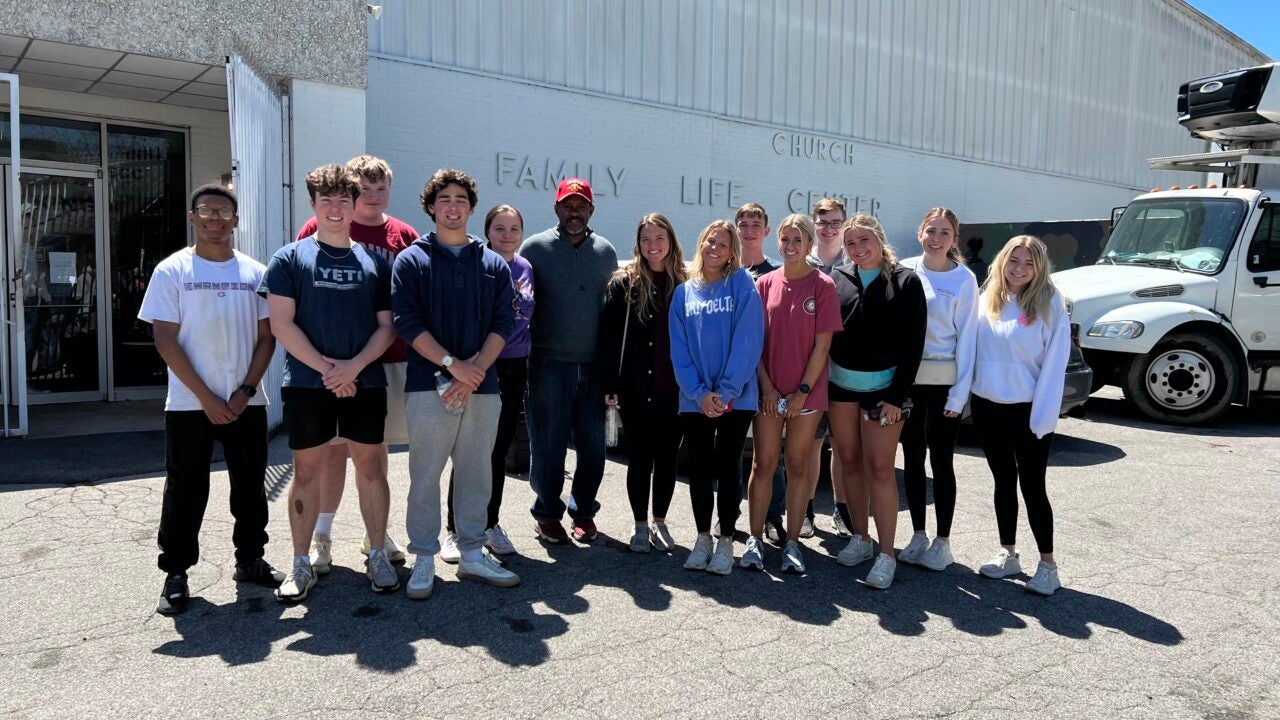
point(717, 335)
point(952, 330)
point(1024, 362)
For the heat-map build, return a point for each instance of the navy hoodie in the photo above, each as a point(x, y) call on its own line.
point(459, 300)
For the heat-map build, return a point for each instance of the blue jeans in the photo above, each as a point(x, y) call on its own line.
point(566, 401)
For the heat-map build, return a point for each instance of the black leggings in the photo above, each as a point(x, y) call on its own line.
point(653, 430)
point(1016, 458)
point(715, 457)
point(928, 428)
point(513, 374)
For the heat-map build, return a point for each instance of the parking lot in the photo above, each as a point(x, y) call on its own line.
point(1166, 539)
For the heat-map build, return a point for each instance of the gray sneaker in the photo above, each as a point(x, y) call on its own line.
point(1045, 581)
point(640, 539)
point(914, 549)
point(660, 537)
point(488, 571)
point(381, 573)
point(299, 582)
point(1002, 565)
point(700, 555)
point(721, 562)
point(806, 528)
point(423, 580)
point(857, 551)
point(753, 555)
point(792, 558)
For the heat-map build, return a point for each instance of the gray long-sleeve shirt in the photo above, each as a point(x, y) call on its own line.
point(570, 286)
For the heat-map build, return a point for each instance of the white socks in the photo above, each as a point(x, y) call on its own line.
point(472, 555)
point(324, 524)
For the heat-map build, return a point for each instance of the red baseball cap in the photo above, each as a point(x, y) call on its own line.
point(574, 186)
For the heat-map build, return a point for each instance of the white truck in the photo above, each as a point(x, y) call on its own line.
point(1182, 310)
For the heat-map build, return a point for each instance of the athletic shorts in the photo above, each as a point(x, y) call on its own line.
point(866, 400)
point(314, 416)
point(396, 430)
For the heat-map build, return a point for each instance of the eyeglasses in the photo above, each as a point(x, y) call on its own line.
point(205, 212)
point(829, 223)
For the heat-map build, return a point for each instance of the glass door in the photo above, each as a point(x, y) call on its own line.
point(57, 268)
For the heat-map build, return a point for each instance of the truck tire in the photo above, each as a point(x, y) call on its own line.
point(1186, 379)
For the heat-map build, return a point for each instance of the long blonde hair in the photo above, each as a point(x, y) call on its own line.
point(735, 250)
point(641, 277)
point(863, 221)
point(953, 252)
point(1036, 299)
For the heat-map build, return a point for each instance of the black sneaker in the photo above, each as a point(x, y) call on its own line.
point(775, 532)
point(174, 597)
point(259, 572)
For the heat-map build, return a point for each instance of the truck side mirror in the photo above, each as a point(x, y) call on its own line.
point(1116, 212)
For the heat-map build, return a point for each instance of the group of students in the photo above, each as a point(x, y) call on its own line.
point(433, 340)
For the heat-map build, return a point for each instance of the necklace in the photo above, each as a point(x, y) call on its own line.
point(331, 256)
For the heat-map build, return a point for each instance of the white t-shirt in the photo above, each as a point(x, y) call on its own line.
point(217, 308)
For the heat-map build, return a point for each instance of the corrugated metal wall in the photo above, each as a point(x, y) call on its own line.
point(1084, 88)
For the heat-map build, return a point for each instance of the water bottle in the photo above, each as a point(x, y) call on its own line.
point(443, 383)
point(612, 420)
point(782, 405)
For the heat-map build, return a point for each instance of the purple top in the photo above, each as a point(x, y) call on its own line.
point(522, 282)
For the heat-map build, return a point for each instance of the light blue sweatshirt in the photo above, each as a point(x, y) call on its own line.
point(717, 335)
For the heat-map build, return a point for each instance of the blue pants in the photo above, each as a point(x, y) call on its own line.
point(565, 402)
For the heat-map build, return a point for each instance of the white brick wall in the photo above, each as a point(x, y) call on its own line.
point(422, 118)
point(327, 126)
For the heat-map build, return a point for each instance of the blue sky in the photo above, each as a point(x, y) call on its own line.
point(1255, 21)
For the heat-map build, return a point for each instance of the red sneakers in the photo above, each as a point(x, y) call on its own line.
point(553, 532)
point(584, 531)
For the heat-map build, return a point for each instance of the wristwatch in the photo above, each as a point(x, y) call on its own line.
point(447, 361)
point(248, 390)
point(805, 389)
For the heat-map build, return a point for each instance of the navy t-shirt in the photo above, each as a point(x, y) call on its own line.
point(338, 295)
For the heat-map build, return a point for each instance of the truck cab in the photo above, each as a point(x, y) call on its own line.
point(1182, 309)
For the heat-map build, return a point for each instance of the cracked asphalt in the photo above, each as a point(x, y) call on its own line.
point(1166, 540)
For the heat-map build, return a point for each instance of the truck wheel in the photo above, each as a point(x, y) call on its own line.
point(1186, 379)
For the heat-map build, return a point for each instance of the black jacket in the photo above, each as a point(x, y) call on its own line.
point(636, 378)
point(884, 326)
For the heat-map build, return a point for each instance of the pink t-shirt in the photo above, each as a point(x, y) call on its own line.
point(795, 312)
point(387, 240)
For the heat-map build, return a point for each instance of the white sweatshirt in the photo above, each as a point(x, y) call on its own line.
point(951, 334)
point(1019, 363)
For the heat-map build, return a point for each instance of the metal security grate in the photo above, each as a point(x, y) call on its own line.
point(1160, 291)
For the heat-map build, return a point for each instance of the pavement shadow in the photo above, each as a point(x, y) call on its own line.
point(240, 632)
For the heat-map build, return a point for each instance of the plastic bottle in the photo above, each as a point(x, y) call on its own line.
point(612, 420)
point(442, 385)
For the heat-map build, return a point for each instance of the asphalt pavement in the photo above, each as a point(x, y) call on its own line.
point(1166, 539)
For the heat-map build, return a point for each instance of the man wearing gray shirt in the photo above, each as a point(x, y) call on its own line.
point(571, 267)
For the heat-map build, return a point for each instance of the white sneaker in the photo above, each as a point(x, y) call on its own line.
point(881, 575)
point(495, 538)
point(1002, 565)
point(488, 571)
point(321, 554)
point(394, 552)
point(660, 537)
point(423, 580)
point(752, 556)
point(857, 551)
point(914, 549)
point(382, 575)
point(700, 555)
point(792, 558)
point(298, 584)
point(722, 560)
point(1045, 581)
point(937, 557)
point(449, 551)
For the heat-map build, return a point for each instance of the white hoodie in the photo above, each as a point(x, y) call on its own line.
point(1019, 362)
point(952, 297)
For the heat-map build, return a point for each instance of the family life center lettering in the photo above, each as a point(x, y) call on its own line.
point(546, 173)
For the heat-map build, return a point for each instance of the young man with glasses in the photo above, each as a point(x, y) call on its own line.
point(212, 330)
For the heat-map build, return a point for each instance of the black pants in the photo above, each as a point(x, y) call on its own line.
point(928, 428)
point(654, 430)
point(715, 459)
point(189, 438)
point(1016, 458)
point(513, 375)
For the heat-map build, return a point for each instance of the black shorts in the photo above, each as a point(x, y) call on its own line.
point(314, 416)
point(866, 400)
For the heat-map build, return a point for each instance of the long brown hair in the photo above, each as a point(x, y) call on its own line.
point(1036, 299)
point(641, 276)
point(953, 252)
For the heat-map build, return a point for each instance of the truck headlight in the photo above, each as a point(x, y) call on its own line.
point(1117, 330)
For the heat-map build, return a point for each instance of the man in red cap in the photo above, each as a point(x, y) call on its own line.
point(571, 267)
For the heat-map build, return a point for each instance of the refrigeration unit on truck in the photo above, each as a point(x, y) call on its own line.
point(1182, 310)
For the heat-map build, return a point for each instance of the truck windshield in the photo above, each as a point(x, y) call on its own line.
point(1179, 233)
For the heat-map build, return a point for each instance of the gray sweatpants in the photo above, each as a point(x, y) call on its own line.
point(436, 436)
